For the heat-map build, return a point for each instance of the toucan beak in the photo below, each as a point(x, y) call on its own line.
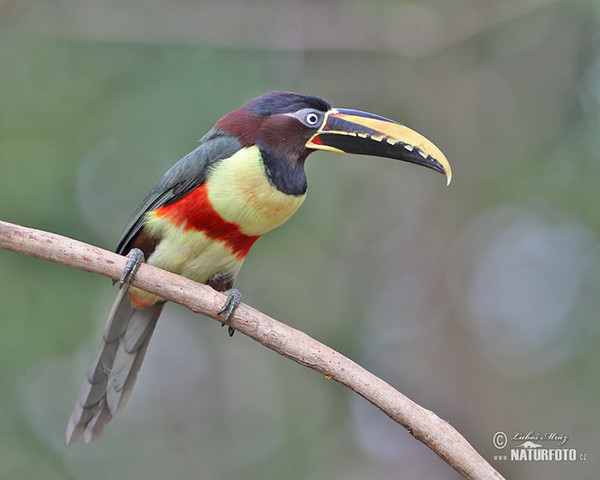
point(353, 131)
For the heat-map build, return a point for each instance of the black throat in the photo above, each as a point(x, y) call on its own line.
point(287, 175)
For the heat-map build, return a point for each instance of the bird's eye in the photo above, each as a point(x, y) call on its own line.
point(312, 118)
point(308, 116)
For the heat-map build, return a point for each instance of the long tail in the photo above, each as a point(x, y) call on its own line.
point(113, 371)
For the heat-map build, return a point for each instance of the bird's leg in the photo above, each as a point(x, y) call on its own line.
point(234, 298)
point(135, 258)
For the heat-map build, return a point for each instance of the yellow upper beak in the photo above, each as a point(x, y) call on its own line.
point(353, 131)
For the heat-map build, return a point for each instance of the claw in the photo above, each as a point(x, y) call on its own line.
point(135, 259)
point(234, 298)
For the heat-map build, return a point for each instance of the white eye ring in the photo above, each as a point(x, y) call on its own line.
point(312, 118)
point(308, 116)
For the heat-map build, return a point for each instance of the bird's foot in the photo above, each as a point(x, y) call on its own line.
point(234, 297)
point(135, 258)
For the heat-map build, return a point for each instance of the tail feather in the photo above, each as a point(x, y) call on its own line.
point(95, 426)
point(90, 394)
point(99, 367)
point(126, 367)
point(138, 331)
point(114, 367)
point(118, 318)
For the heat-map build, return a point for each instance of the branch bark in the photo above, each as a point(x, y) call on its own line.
point(423, 424)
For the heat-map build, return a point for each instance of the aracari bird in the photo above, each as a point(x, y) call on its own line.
point(203, 216)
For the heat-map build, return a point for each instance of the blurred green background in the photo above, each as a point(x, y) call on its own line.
point(479, 301)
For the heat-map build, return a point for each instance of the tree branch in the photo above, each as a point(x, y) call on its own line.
point(423, 424)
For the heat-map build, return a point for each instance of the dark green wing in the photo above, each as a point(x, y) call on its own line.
point(187, 174)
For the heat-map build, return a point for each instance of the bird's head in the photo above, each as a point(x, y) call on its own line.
point(287, 127)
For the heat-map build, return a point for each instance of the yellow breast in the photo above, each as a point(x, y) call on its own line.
point(241, 193)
